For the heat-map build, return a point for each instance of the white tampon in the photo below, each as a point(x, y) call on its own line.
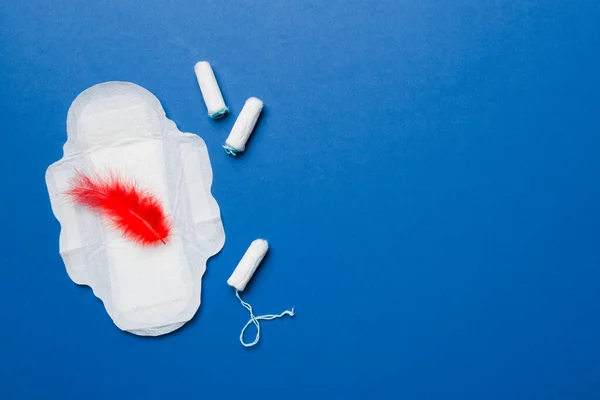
point(248, 264)
point(240, 278)
point(210, 90)
point(243, 126)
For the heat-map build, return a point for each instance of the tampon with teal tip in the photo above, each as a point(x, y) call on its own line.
point(210, 90)
point(243, 126)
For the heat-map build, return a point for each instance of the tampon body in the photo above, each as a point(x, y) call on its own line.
point(248, 264)
point(210, 90)
point(243, 126)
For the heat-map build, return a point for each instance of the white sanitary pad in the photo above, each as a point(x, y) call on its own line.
point(122, 128)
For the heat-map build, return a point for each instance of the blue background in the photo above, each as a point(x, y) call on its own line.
point(426, 172)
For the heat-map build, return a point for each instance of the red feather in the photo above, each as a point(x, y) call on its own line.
point(137, 214)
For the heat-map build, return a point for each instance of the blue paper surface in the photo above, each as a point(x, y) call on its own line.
point(426, 173)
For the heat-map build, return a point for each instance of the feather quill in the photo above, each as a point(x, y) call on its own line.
point(138, 214)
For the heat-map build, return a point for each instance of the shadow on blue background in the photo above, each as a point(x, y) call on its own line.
point(426, 172)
